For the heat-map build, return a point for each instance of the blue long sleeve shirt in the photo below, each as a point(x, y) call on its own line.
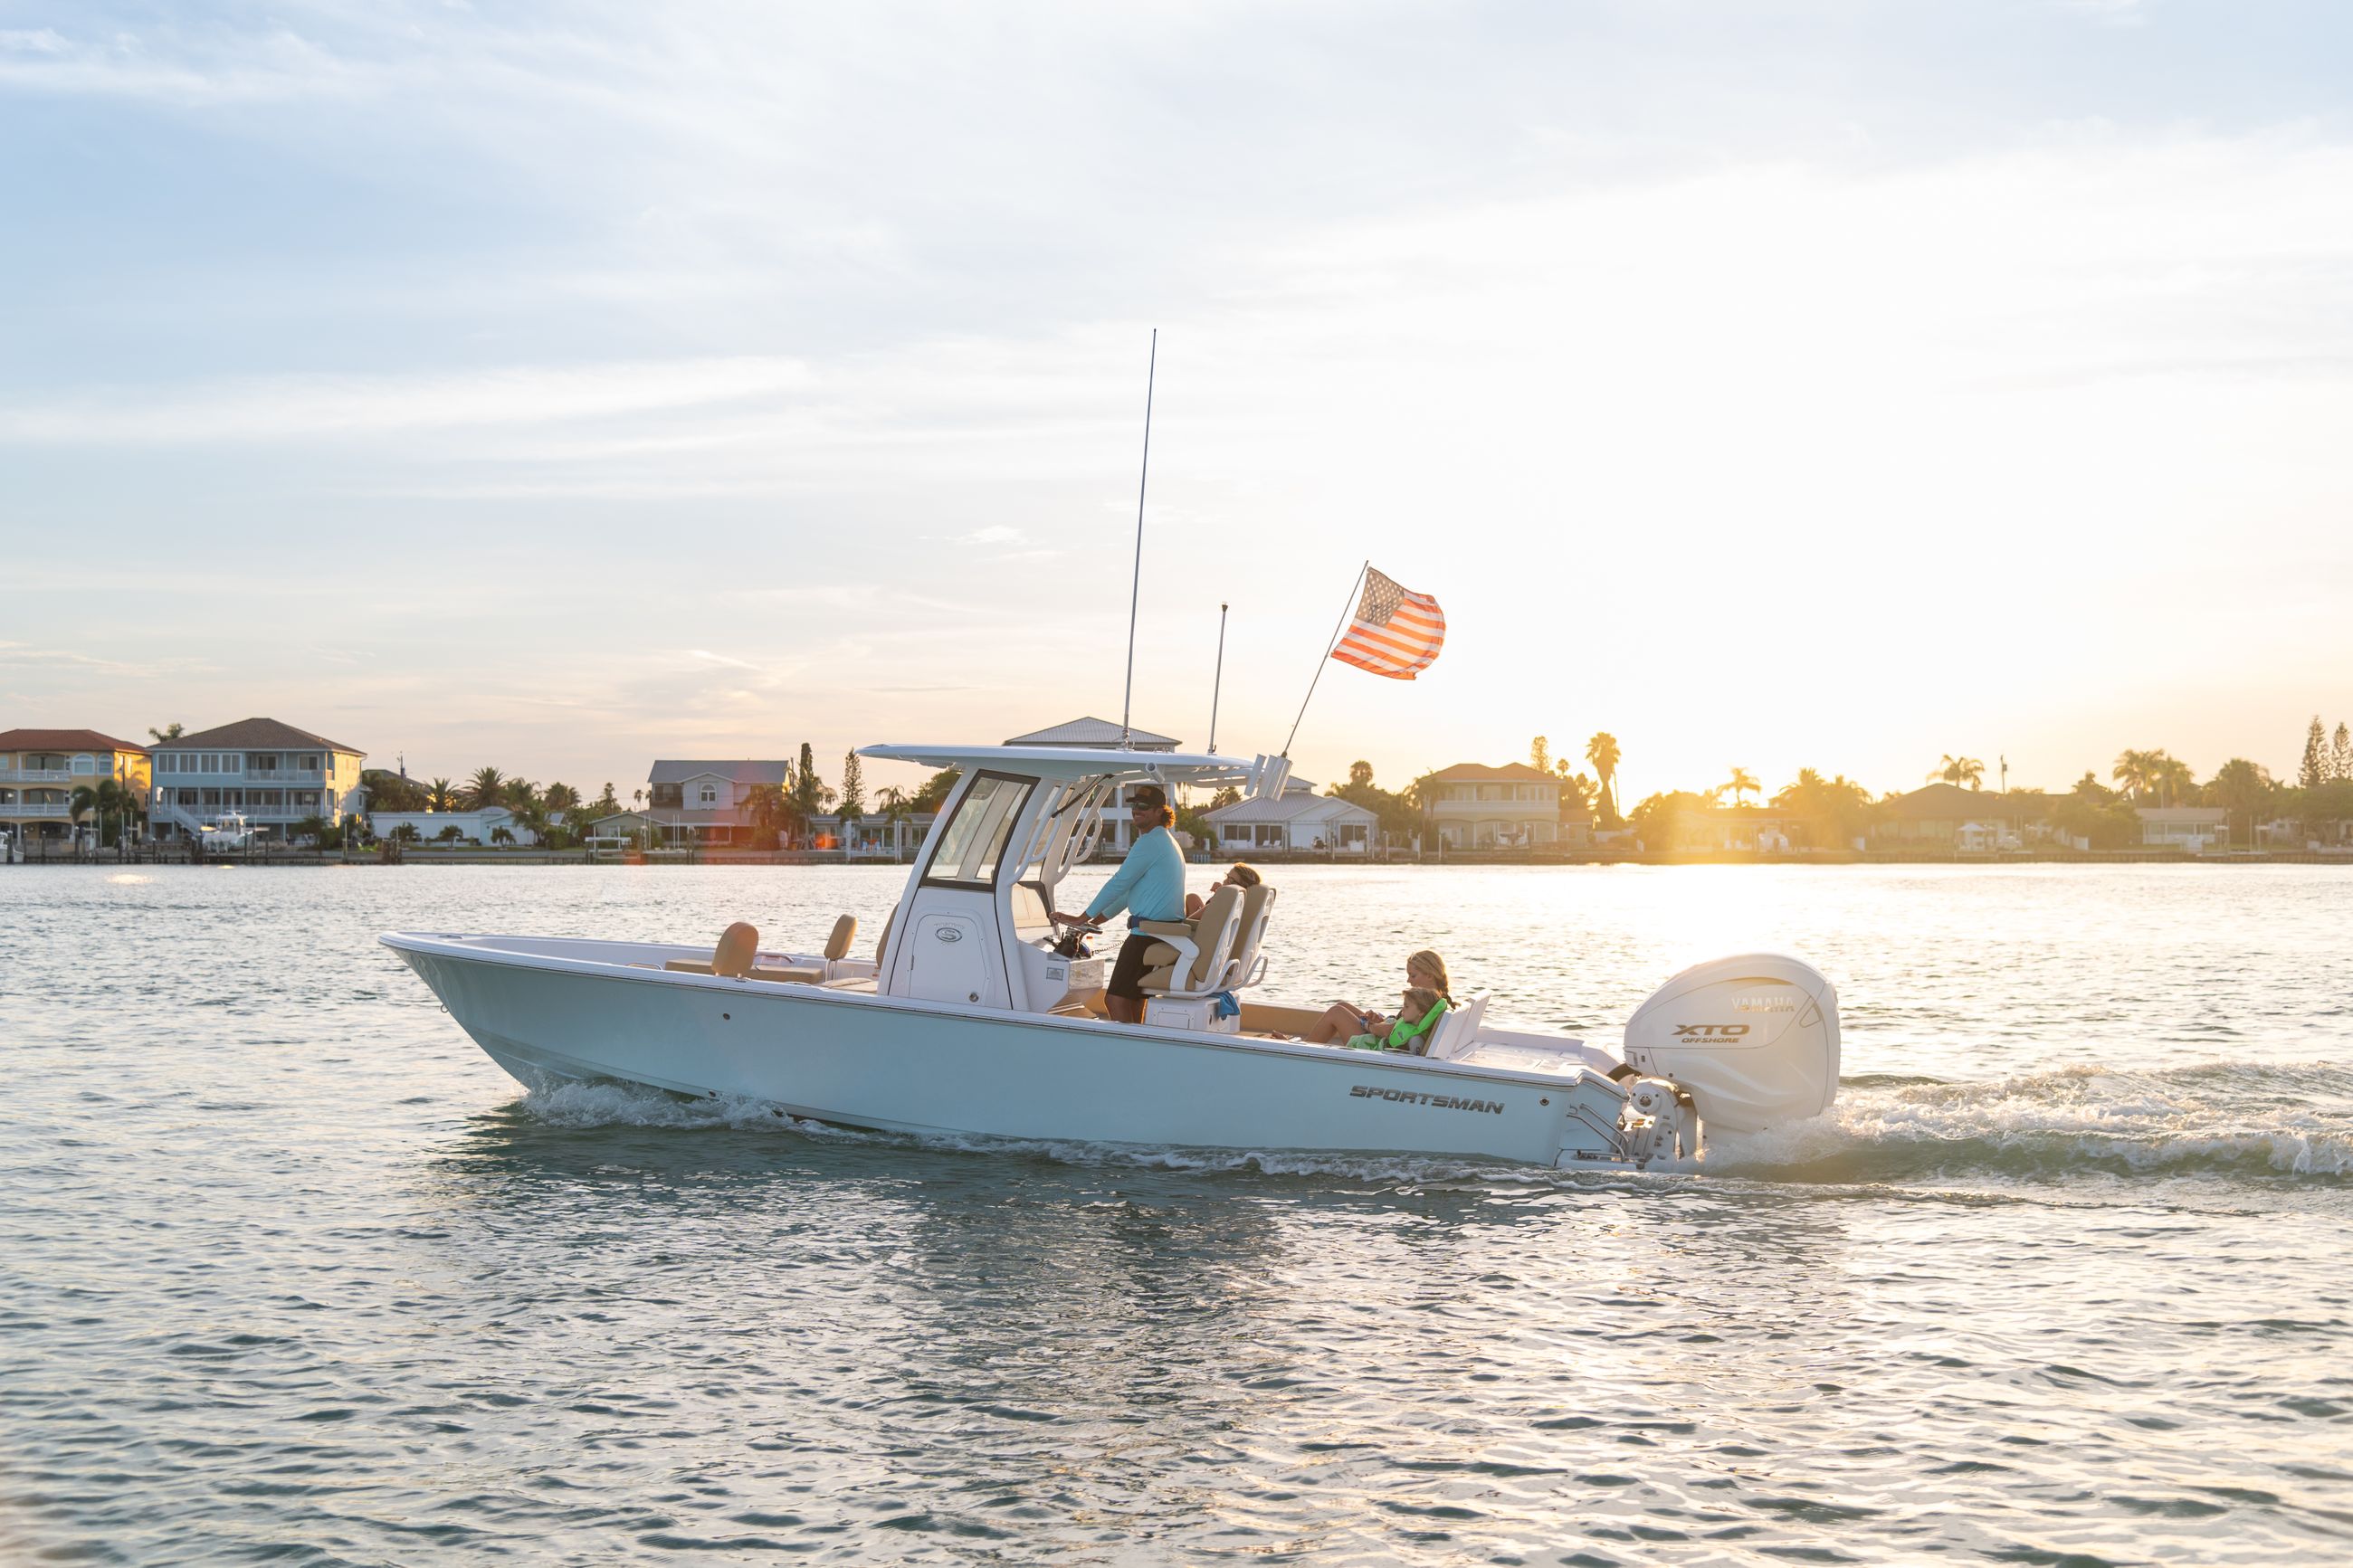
point(1149, 884)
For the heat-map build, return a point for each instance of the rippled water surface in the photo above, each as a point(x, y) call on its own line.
point(288, 1270)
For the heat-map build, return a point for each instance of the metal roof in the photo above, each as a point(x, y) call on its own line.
point(1297, 807)
point(671, 771)
point(1091, 731)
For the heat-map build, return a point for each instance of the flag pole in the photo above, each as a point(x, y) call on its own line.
point(1217, 681)
point(1340, 627)
point(1136, 585)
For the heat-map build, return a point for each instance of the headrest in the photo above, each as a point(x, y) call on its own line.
point(738, 945)
point(845, 932)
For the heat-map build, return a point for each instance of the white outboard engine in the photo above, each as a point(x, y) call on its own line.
point(1753, 1040)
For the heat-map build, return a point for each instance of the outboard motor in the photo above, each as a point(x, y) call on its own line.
point(1753, 1040)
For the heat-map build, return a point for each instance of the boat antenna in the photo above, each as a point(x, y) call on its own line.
point(1219, 680)
point(1136, 586)
point(1337, 628)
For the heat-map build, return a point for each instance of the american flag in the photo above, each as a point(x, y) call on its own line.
point(1395, 632)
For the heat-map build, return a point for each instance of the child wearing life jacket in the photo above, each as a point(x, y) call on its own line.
point(1411, 1029)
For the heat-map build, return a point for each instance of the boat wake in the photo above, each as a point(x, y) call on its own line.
point(2217, 1119)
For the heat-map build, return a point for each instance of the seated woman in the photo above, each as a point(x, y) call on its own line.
point(1411, 1029)
point(1342, 1021)
point(1242, 877)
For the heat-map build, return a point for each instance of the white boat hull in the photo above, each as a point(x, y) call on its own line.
point(548, 1009)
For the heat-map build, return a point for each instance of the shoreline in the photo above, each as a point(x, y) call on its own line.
point(415, 856)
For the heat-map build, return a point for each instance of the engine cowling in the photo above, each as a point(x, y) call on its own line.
point(1755, 1039)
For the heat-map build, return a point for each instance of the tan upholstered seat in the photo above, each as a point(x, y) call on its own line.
point(1257, 904)
point(738, 945)
point(1191, 958)
point(845, 932)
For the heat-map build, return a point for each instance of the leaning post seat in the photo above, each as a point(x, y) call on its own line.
point(1190, 959)
point(1257, 904)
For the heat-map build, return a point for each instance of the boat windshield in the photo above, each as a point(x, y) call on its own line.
point(973, 844)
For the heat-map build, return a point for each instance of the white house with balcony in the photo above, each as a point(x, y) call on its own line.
point(1472, 805)
point(273, 775)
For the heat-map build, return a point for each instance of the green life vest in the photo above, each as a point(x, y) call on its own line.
point(1402, 1035)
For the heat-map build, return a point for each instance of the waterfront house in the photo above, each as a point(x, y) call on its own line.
point(2196, 828)
point(708, 803)
point(1946, 817)
point(1472, 805)
point(872, 836)
point(273, 774)
point(41, 769)
point(472, 827)
point(1299, 819)
point(1761, 829)
point(1102, 734)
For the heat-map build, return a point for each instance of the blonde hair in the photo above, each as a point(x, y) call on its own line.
point(1421, 999)
point(1242, 875)
point(1432, 965)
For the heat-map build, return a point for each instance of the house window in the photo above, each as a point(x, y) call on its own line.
point(311, 764)
point(85, 764)
point(707, 795)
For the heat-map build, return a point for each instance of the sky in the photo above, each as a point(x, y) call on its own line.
point(1794, 383)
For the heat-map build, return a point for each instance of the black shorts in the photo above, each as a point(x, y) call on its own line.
point(1127, 972)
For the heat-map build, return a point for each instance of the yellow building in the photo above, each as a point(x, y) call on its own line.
point(40, 770)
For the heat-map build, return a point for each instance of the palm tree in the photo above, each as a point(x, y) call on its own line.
point(111, 807)
point(2135, 772)
point(501, 834)
point(484, 788)
point(2170, 776)
point(895, 808)
point(439, 796)
point(1960, 770)
point(1602, 753)
point(767, 810)
point(1741, 782)
point(168, 734)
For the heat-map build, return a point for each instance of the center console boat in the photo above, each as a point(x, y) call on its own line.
point(973, 1015)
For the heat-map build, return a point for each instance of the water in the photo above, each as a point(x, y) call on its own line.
point(290, 1271)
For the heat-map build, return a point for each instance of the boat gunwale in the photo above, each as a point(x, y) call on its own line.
point(458, 945)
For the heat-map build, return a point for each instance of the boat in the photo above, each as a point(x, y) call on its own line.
point(975, 1016)
point(227, 831)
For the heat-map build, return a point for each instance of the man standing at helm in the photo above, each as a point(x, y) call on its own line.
point(1150, 886)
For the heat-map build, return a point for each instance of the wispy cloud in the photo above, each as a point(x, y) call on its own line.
point(277, 408)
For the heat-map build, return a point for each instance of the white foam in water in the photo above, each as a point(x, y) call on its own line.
point(2293, 1120)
